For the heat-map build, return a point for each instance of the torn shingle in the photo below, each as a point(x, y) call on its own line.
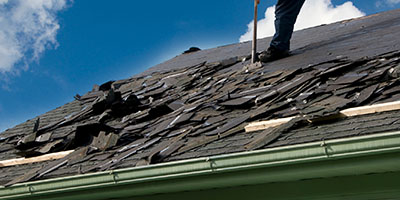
point(49, 146)
point(239, 101)
point(105, 141)
point(44, 137)
point(229, 125)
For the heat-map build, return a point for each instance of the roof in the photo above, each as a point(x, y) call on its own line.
point(197, 104)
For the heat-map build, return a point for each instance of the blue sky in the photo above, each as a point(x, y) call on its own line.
point(95, 41)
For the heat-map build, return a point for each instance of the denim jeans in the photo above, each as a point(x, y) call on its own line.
point(285, 17)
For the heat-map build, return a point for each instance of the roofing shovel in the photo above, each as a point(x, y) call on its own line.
point(254, 48)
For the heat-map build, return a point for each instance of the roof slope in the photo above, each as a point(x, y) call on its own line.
point(197, 104)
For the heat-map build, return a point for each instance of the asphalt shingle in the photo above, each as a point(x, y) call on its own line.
point(198, 104)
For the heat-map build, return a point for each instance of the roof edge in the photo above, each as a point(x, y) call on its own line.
point(351, 156)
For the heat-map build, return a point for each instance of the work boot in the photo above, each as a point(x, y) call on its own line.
point(272, 54)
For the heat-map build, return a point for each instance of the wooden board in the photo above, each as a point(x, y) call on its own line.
point(20, 161)
point(256, 126)
point(364, 110)
point(351, 112)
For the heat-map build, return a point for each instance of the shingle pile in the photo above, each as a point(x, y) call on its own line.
point(171, 113)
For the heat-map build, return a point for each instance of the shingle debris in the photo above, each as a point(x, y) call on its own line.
point(147, 119)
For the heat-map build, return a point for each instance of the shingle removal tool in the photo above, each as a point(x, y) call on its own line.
point(254, 46)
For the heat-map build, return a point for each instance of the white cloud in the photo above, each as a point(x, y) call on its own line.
point(393, 1)
point(313, 13)
point(382, 3)
point(27, 29)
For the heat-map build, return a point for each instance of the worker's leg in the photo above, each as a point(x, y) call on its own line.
point(285, 17)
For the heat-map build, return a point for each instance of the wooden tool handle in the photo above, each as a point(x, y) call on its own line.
point(254, 46)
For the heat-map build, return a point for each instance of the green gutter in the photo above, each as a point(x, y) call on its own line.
point(378, 153)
